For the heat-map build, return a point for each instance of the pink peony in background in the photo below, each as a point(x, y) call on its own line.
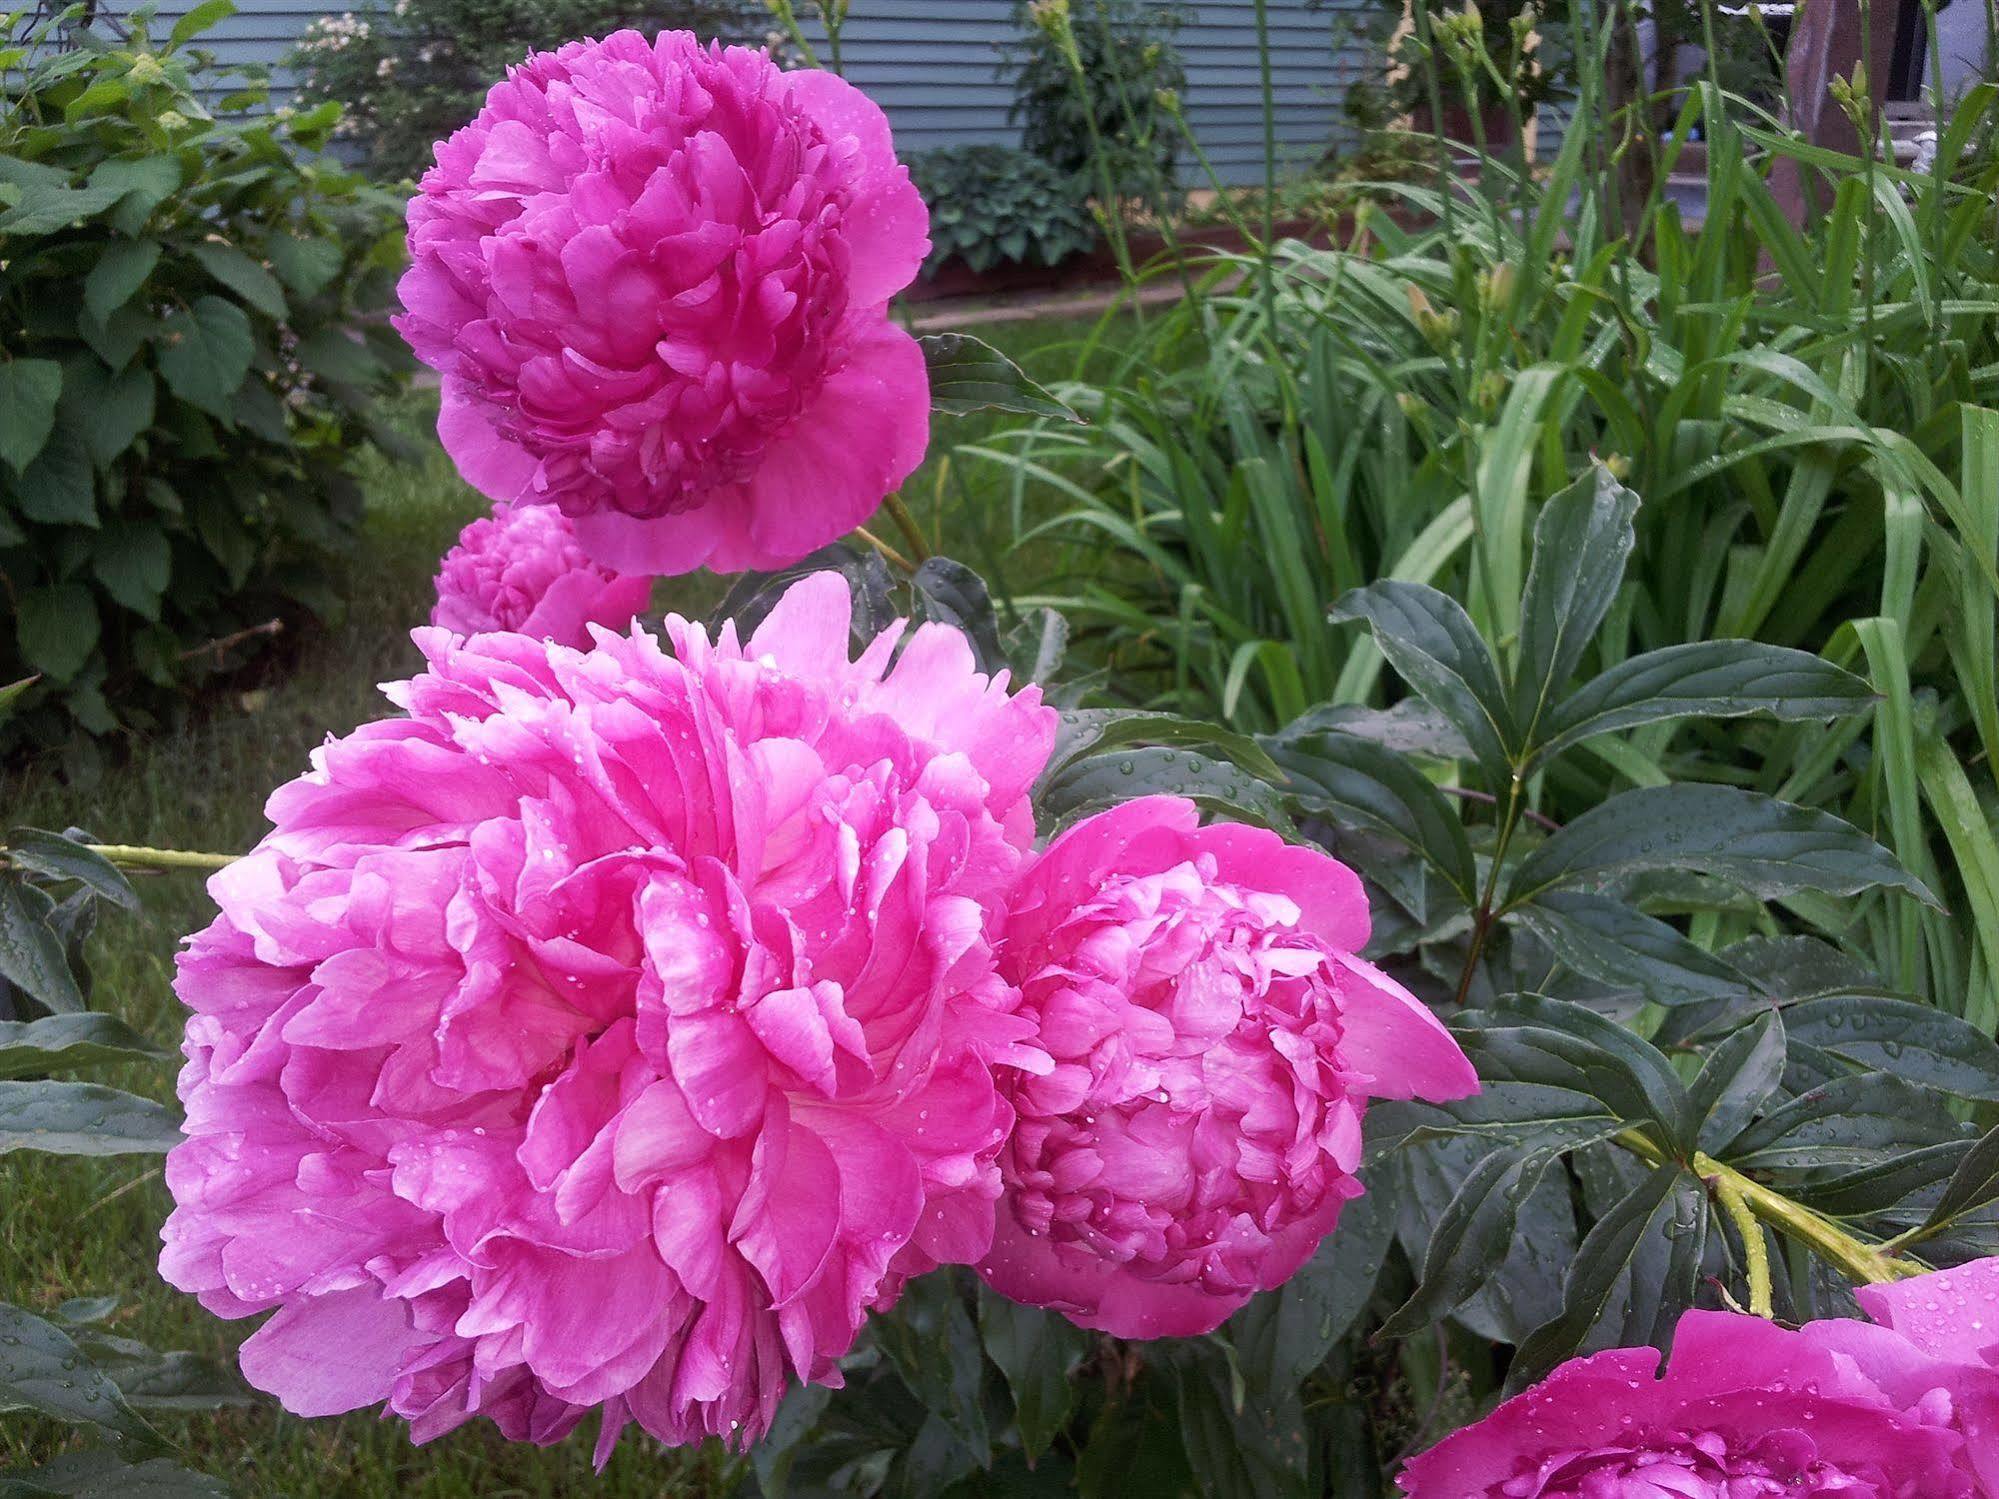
point(654, 276)
point(1745, 1410)
point(520, 569)
point(613, 1031)
point(1216, 1045)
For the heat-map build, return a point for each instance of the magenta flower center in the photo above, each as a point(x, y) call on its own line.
point(1785, 1463)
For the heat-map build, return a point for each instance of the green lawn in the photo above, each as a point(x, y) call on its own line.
point(77, 1228)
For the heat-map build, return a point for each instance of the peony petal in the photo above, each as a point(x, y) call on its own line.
point(324, 1355)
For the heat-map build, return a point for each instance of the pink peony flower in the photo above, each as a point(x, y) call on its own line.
point(1744, 1409)
point(520, 569)
point(1216, 1044)
point(655, 277)
point(614, 1030)
point(1951, 1317)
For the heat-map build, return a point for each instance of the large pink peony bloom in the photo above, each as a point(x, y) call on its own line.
point(1216, 1043)
point(1951, 1317)
point(520, 569)
point(654, 276)
point(614, 1030)
point(1744, 1410)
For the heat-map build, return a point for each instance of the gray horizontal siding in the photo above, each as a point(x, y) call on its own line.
point(932, 64)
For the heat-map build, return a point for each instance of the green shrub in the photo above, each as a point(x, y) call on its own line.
point(1088, 79)
point(409, 72)
point(995, 205)
point(181, 386)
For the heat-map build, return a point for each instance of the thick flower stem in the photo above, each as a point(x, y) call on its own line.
point(1729, 1195)
point(1860, 1262)
point(906, 523)
point(130, 856)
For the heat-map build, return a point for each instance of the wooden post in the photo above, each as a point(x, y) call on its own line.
point(1826, 43)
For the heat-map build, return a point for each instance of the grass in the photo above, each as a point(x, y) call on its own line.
point(90, 1228)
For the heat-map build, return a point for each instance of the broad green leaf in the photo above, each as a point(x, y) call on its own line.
point(118, 339)
point(1037, 1351)
point(46, 206)
point(1411, 727)
point(1617, 944)
point(1536, 1039)
point(1617, 1265)
point(1705, 679)
point(242, 275)
point(1582, 541)
point(65, 1118)
point(1666, 1272)
point(29, 389)
point(136, 185)
point(152, 1380)
point(134, 562)
point(31, 954)
point(1100, 781)
point(121, 410)
point(121, 269)
point(1472, 1237)
point(935, 1348)
point(1430, 640)
point(60, 857)
point(304, 265)
point(1848, 1121)
point(1887, 1184)
point(1037, 645)
point(753, 595)
point(198, 19)
point(791, 1433)
point(32, 1047)
point(1236, 1449)
point(1737, 1079)
point(60, 487)
point(56, 629)
point(42, 1370)
point(1917, 1042)
point(1097, 731)
point(951, 593)
point(100, 1474)
point(1973, 1185)
point(1352, 781)
point(1765, 846)
point(205, 353)
point(1283, 1335)
point(1524, 1114)
point(332, 355)
point(968, 374)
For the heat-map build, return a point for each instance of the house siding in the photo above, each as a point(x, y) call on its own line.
point(932, 64)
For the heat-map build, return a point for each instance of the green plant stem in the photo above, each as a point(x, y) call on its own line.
point(1113, 216)
point(911, 532)
point(131, 856)
point(1482, 921)
point(833, 15)
point(1266, 265)
point(889, 554)
point(789, 20)
point(1729, 1194)
point(1862, 1263)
